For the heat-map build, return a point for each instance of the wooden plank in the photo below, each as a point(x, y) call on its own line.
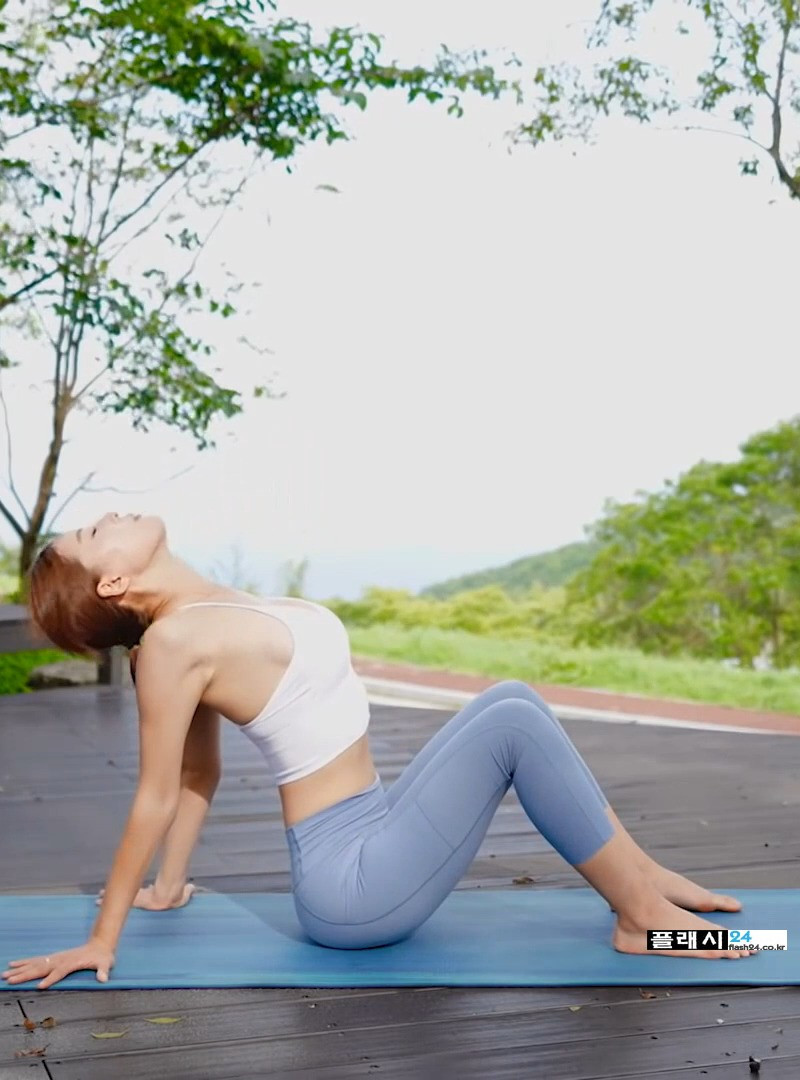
point(282, 1016)
point(89, 1004)
point(24, 1070)
point(513, 1043)
point(281, 1013)
point(780, 1068)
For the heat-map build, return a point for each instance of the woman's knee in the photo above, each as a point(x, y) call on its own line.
point(516, 688)
point(511, 688)
point(516, 712)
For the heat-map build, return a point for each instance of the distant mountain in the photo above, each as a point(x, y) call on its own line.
point(549, 568)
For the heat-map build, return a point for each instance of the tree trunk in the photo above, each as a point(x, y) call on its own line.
point(44, 495)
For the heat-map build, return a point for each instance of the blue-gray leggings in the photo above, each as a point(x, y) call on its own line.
point(371, 869)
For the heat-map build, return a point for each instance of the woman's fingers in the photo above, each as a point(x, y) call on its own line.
point(24, 963)
point(25, 970)
point(54, 976)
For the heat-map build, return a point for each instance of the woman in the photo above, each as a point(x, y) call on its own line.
point(368, 865)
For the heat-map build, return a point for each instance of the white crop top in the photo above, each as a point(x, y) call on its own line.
point(320, 706)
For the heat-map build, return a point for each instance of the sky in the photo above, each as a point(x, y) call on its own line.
point(478, 345)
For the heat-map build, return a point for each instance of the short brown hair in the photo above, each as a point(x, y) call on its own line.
point(65, 607)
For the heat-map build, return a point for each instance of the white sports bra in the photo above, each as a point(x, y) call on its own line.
point(320, 706)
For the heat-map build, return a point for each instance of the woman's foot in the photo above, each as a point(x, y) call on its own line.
point(630, 931)
point(684, 893)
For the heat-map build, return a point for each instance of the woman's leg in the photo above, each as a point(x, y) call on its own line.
point(410, 858)
point(680, 890)
point(501, 691)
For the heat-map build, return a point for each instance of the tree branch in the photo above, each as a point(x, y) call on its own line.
point(6, 301)
point(12, 521)
point(148, 224)
point(101, 239)
point(712, 131)
point(189, 270)
point(87, 386)
point(141, 491)
point(68, 500)
point(11, 485)
point(64, 323)
point(774, 150)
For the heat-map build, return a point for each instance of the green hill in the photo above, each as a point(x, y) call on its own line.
point(550, 568)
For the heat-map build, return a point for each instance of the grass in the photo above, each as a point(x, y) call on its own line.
point(623, 670)
point(16, 667)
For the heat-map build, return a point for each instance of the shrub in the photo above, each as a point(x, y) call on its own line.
point(16, 667)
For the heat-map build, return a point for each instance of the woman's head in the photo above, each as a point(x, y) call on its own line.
point(82, 585)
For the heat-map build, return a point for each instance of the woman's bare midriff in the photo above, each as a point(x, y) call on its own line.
point(352, 771)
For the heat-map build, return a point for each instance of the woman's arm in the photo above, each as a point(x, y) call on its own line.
point(170, 682)
point(200, 774)
point(170, 685)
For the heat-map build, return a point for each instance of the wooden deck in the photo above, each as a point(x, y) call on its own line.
point(722, 807)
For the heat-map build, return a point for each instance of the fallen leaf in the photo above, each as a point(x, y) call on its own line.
point(108, 1034)
point(648, 995)
point(29, 1025)
point(48, 1022)
point(575, 1008)
point(34, 1052)
point(524, 880)
point(164, 1019)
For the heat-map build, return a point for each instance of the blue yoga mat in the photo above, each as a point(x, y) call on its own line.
point(522, 937)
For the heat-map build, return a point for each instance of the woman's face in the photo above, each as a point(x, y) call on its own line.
point(116, 547)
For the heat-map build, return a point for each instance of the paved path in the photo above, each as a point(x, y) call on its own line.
point(576, 701)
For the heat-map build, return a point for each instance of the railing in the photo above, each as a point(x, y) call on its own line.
point(17, 635)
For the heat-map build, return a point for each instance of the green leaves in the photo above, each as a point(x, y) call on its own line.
point(749, 80)
point(710, 565)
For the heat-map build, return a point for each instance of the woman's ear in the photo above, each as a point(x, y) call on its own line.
point(109, 587)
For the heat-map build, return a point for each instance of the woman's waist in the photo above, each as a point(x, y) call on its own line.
point(347, 775)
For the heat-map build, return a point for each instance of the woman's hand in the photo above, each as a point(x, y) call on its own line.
point(151, 898)
point(94, 955)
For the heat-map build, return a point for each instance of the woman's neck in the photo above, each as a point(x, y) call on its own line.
point(169, 583)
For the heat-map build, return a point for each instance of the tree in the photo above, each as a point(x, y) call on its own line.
point(749, 82)
point(708, 566)
point(292, 577)
point(113, 118)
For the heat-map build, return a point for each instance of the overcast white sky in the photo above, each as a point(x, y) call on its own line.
point(478, 347)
